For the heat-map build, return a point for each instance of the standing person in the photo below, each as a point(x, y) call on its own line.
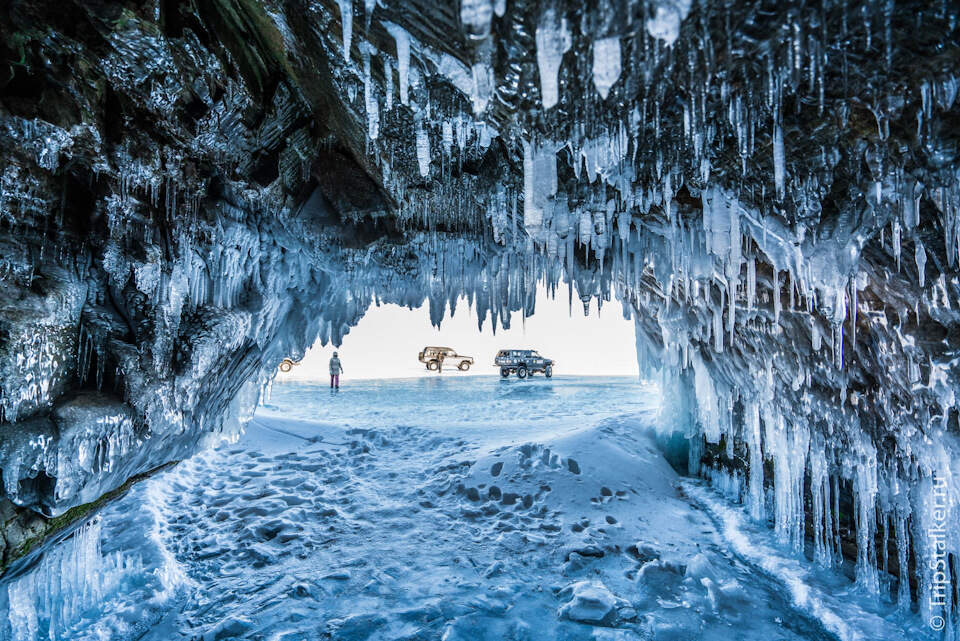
point(335, 370)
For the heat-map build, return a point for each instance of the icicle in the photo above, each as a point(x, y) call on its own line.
point(388, 73)
point(666, 20)
point(732, 271)
point(839, 315)
point(553, 40)
point(788, 448)
point(369, 99)
point(853, 311)
point(475, 16)
point(777, 304)
point(751, 412)
point(895, 239)
point(446, 133)
point(694, 455)
point(921, 257)
point(903, 549)
point(423, 149)
point(865, 497)
point(606, 64)
point(483, 86)
point(717, 329)
point(402, 39)
point(820, 500)
point(346, 17)
point(778, 158)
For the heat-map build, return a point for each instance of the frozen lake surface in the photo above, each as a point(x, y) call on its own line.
point(457, 509)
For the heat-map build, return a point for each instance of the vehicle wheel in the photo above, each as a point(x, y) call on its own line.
point(548, 371)
point(433, 365)
point(286, 366)
point(522, 372)
point(504, 372)
point(463, 366)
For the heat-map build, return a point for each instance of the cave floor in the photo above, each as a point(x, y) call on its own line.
point(471, 508)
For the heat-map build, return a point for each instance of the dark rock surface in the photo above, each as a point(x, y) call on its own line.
point(192, 192)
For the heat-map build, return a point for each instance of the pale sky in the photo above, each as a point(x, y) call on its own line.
point(388, 338)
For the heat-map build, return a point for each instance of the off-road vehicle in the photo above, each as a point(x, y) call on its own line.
point(523, 362)
point(288, 364)
point(435, 357)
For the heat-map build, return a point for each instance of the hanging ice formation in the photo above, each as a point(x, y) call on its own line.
point(553, 40)
point(423, 149)
point(346, 19)
point(606, 64)
point(402, 40)
point(370, 102)
point(774, 202)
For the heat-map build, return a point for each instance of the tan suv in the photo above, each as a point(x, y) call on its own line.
point(435, 357)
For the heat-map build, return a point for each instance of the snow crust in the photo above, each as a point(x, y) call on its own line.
point(460, 509)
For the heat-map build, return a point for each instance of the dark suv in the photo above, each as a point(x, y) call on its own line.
point(523, 362)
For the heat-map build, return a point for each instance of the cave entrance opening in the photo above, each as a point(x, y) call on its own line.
point(584, 337)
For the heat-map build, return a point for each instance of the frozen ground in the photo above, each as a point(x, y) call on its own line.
point(468, 508)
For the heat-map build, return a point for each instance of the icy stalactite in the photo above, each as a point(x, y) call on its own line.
point(779, 158)
point(475, 16)
point(388, 75)
point(787, 446)
point(755, 494)
point(606, 64)
point(865, 496)
point(72, 578)
point(346, 19)
point(446, 137)
point(370, 102)
point(539, 183)
point(820, 501)
point(667, 18)
point(709, 404)
point(483, 86)
point(903, 551)
point(402, 40)
point(730, 485)
point(921, 259)
point(553, 40)
point(423, 149)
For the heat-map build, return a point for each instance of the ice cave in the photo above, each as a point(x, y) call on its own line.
point(191, 192)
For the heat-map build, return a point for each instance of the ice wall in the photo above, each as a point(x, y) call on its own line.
point(772, 191)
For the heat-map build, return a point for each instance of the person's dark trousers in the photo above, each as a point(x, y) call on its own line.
point(335, 381)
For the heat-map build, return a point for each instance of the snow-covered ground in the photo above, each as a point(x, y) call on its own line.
point(457, 509)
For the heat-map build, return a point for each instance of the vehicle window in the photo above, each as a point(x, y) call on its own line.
point(536, 354)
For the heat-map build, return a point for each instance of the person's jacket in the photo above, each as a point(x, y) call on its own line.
point(335, 366)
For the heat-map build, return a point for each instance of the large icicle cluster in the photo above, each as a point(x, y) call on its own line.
point(771, 190)
point(751, 183)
